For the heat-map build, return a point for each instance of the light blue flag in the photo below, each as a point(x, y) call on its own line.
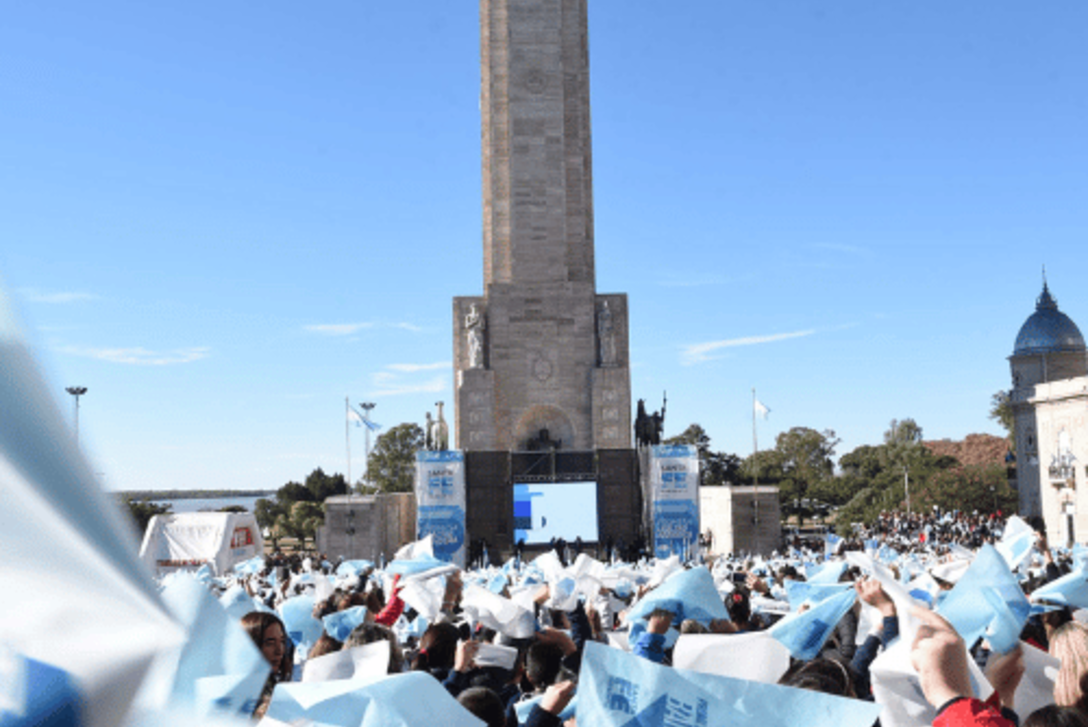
point(831, 543)
point(249, 567)
point(804, 634)
point(339, 625)
point(1069, 590)
point(497, 583)
point(219, 668)
point(236, 602)
point(970, 605)
point(525, 708)
point(354, 567)
point(826, 573)
point(204, 573)
point(416, 566)
point(1080, 557)
point(401, 700)
point(617, 689)
point(688, 594)
point(797, 592)
point(298, 617)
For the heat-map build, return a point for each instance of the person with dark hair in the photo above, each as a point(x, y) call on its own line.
point(822, 674)
point(485, 704)
point(368, 633)
point(1054, 716)
point(437, 649)
point(270, 637)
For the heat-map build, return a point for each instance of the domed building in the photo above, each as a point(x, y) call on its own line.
point(1050, 411)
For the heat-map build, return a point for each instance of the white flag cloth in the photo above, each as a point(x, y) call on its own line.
point(75, 597)
point(401, 700)
point(355, 417)
point(761, 409)
point(369, 661)
point(496, 612)
point(411, 551)
point(757, 657)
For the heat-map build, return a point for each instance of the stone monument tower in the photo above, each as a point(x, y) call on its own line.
point(540, 357)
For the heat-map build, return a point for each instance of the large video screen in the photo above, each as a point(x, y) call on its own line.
point(566, 510)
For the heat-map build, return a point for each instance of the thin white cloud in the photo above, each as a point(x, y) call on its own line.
point(347, 329)
point(700, 352)
point(338, 329)
point(388, 387)
point(139, 356)
point(411, 368)
point(34, 295)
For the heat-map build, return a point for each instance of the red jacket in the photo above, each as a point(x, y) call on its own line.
point(393, 608)
point(970, 713)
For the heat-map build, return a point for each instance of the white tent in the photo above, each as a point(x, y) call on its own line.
point(191, 539)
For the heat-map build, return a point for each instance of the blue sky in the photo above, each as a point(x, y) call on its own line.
point(223, 219)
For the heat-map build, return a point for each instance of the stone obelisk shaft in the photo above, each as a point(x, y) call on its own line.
point(537, 164)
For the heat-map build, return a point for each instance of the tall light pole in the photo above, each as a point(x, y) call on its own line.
point(906, 487)
point(77, 391)
point(366, 406)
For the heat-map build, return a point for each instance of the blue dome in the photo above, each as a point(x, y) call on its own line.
point(1048, 330)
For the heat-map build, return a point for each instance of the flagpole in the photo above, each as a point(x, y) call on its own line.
point(755, 443)
point(347, 436)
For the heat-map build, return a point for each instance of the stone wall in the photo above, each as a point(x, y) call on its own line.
point(381, 525)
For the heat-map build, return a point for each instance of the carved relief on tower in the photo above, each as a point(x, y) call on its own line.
point(476, 337)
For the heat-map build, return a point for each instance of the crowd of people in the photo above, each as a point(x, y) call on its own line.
point(508, 641)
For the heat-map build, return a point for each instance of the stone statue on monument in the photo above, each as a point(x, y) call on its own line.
point(440, 432)
point(649, 427)
point(476, 325)
point(428, 434)
point(606, 336)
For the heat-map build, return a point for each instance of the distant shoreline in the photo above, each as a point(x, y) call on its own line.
point(156, 495)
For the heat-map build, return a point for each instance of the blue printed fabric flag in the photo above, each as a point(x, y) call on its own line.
point(688, 594)
point(617, 689)
point(804, 633)
point(987, 601)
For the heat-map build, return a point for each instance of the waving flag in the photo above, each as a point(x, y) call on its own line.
point(761, 409)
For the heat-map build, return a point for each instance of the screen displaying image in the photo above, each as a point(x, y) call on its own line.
point(543, 511)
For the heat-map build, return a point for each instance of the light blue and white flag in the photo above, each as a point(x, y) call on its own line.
point(987, 601)
point(303, 629)
point(617, 689)
point(804, 634)
point(1016, 543)
point(827, 572)
point(219, 669)
point(525, 707)
point(339, 625)
point(75, 597)
point(1069, 590)
point(801, 592)
point(401, 700)
point(688, 594)
point(354, 567)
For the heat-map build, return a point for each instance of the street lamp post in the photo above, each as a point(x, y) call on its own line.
point(366, 406)
point(906, 488)
point(77, 391)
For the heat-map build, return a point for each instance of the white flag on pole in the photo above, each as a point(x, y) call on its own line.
point(761, 409)
point(355, 417)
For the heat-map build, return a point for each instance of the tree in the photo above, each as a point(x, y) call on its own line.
point(1001, 412)
point(392, 463)
point(323, 486)
point(715, 468)
point(983, 488)
point(805, 456)
point(142, 511)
